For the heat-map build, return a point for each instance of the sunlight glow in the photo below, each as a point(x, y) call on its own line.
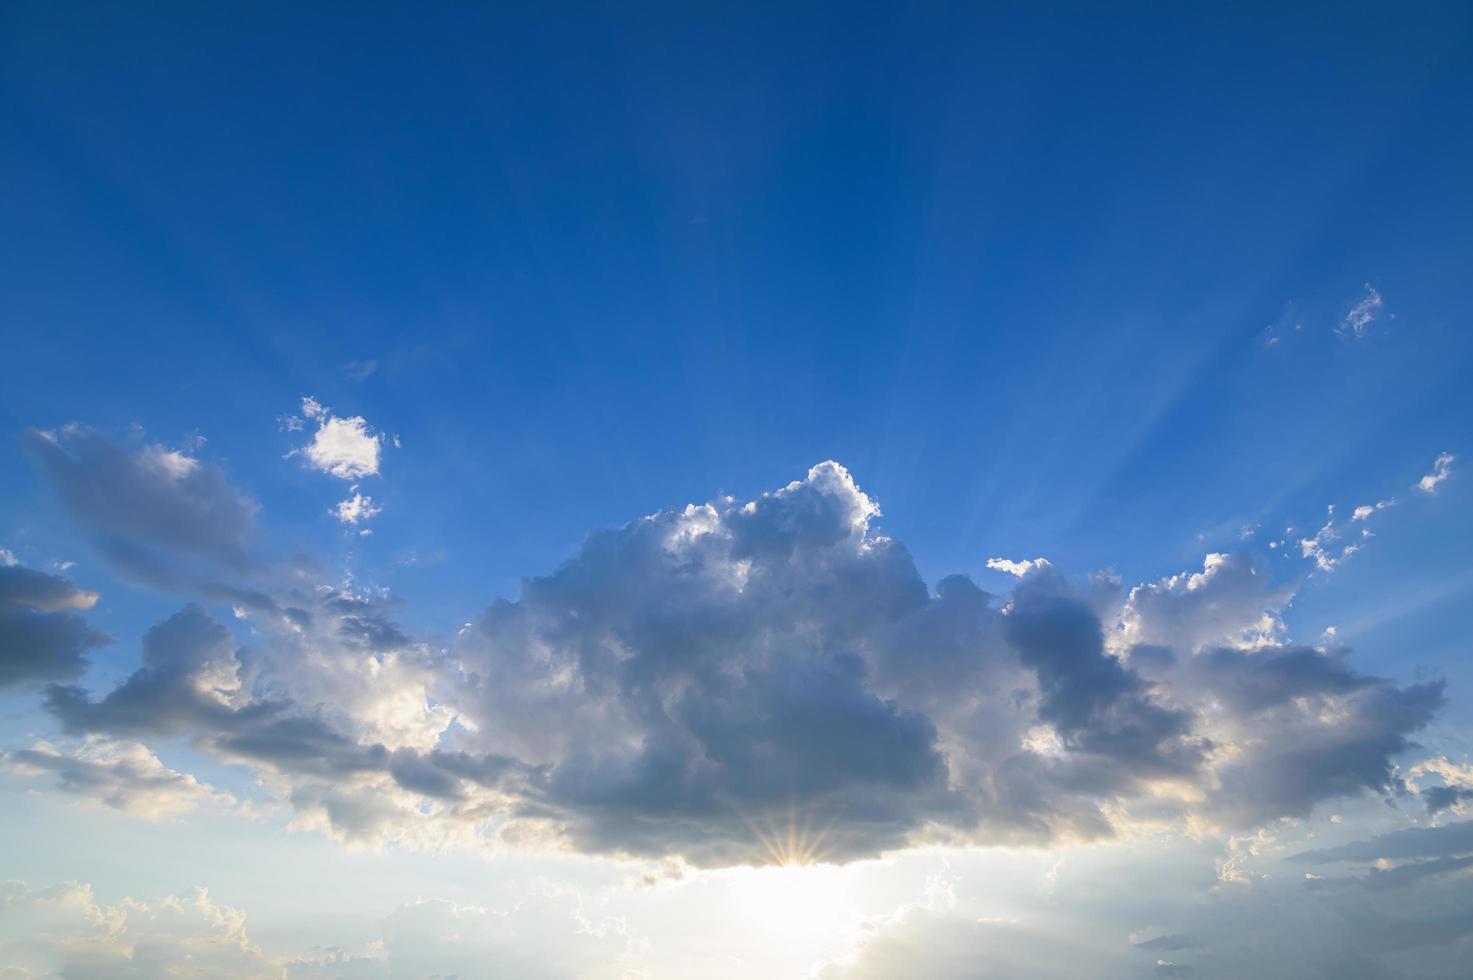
point(792, 904)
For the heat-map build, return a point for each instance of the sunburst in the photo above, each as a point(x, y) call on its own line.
point(797, 845)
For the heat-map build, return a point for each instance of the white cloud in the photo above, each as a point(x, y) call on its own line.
point(64, 931)
point(1229, 602)
point(346, 448)
point(1441, 469)
point(1361, 315)
point(1366, 510)
point(356, 509)
point(1017, 568)
point(1322, 547)
point(7, 558)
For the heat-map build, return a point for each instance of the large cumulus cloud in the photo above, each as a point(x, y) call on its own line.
point(714, 667)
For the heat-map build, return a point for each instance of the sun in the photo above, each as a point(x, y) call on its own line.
point(797, 844)
point(791, 904)
point(791, 896)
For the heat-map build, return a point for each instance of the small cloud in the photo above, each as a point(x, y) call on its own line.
point(1273, 334)
point(346, 448)
point(359, 370)
point(7, 558)
point(1441, 467)
point(1358, 321)
point(1366, 510)
point(1017, 568)
point(356, 509)
point(1321, 547)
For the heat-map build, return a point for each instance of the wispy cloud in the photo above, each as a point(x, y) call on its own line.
point(1360, 317)
point(359, 370)
point(1442, 467)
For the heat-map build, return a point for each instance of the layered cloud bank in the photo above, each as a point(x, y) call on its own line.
point(698, 680)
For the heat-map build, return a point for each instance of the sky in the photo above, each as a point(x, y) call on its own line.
point(717, 491)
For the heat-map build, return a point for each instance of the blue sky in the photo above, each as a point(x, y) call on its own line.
point(1120, 289)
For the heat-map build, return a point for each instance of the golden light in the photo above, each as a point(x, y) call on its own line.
point(796, 845)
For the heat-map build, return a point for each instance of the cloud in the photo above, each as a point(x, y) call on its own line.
point(123, 775)
point(1441, 469)
point(1322, 548)
point(1441, 798)
point(1366, 510)
point(41, 638)
point(546, 936)
point(359, 370)
point(1451, 840)
point(147, 495)
point(367, 771)
point(1358, 320)
point(1231, 600)
point(1017, 568)
point(930, 943)
point(1407, 921)
point(715, 669)
point(161, 517)
point(63, 931)
point(356, 509)
point(346, 448)
point(678, 651)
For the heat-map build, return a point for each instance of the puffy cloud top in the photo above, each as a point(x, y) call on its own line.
point(346, 448)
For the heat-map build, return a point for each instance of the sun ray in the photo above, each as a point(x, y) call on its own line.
point(796, 844)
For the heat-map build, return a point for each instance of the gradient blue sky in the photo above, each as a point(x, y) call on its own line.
point(1117, 287)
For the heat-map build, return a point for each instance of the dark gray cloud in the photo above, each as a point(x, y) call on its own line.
point(1251, 681)
point(1441, 798)
point(149, 493)
point(1302, 756)
point(1409, 874)
point(160, 516)
point(41, 639)
point(1098, 706)
point(1399, 845)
